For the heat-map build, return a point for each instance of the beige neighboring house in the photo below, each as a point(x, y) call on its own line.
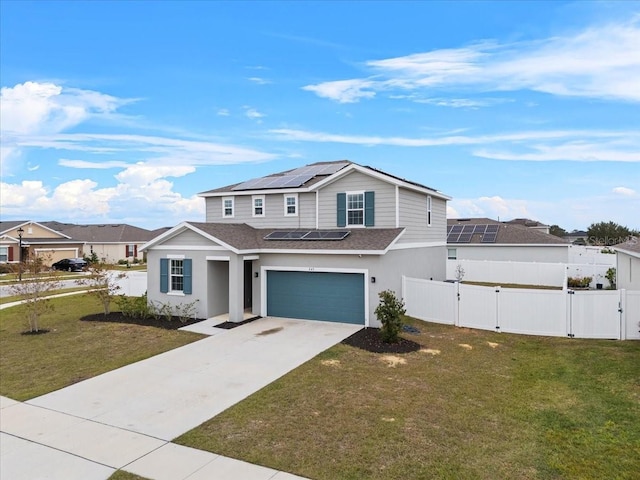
point(110, 242)
point(37, 239)
point(628, 264)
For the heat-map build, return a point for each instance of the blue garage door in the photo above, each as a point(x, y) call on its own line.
point(331, 297)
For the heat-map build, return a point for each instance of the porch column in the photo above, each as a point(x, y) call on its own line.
point(236, 288)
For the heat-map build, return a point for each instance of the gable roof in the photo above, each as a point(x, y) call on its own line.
point(240, 237)
point(319, 180)
point(630, 247)
point(108, 233)
point(508, 234)
point(7, 226)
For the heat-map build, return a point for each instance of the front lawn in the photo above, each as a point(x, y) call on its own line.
point(72, 350)
point(470, 405)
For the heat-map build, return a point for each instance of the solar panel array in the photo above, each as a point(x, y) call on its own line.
point(464, 233)
point(293, 179)
point(308, 235)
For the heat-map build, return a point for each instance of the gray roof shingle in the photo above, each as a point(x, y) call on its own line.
point(243, 237)
point(508, 233)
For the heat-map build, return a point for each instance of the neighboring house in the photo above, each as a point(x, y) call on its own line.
point(317, 242)
point(110, 242)
point(628, 264)
point(486, 239)
point(525, 222)
point(577, 237)
point(37, 239)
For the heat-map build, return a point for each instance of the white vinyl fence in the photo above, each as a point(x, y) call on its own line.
point(134, 284)
point(612, 314)
point(528, 273)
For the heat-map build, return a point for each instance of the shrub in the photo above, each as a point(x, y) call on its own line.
point(389, 312)
point(611, 276)
point(579, 282)
point(134, 307)
point(6, 268)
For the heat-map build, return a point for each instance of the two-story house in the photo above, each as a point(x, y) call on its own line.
point(316, 242)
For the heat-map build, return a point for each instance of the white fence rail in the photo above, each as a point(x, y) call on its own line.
point(613, 314)
point(133, 284)
point(527, 273)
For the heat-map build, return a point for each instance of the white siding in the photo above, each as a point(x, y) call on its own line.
point(385, 212)
point(628, 272)
point(513, 253)
point(188, 237)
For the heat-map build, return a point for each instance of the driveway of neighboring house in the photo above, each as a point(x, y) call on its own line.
point(124, 418)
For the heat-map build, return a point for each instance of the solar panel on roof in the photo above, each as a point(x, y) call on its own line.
point(286, 235)
point(464, 238)
point(468, 229)
point(493, 228)
point(489, 237)
point(480, 229)
point(323, 169)
point(457, 228)
point(330, 235)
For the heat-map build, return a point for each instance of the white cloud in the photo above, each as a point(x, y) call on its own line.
point(344, 91)
point(259, 80)
point(542, 145)
point(494, 207)
point(253, 114)
point(140, 174)
point(223, 112)
point(599, 62)
point(64, 162)
point(41, 108)
point(625, 191)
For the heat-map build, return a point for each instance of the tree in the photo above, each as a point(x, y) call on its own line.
point(36, 292)
point(607, 233)
point(557, 231)
point(389, 312)
point(103, 284)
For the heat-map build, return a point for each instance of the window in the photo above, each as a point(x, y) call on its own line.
point(452, 254)
point(227, 207)
point(355, 208)
point(258, 205)
point(4, 254)
point(291, 205)
point(429, 210)
point(132, 250)
point(176, 274)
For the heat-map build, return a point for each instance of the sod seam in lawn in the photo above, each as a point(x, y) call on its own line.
point(472, 404)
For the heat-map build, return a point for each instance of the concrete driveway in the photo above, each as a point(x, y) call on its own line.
point(124, 418)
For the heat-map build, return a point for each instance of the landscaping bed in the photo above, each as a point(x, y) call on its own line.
point(159, 322)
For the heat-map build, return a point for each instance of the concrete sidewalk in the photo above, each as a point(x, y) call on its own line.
point(126, 418)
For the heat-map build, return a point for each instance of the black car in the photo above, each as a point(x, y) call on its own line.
point(70, 265)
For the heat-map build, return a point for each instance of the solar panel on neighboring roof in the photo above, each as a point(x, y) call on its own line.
point(279, 181)
point(489, 237)
point(456, 229)
point(493, 228)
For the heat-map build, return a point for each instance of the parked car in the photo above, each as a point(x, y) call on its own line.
point(70, 265)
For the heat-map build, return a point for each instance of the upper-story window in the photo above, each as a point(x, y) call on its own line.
point(258, 205)
point(355, 208)
point(429, 210)
point(227, 207)
point(291, 205)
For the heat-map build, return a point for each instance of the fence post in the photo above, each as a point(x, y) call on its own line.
point(570, 294)
point(622, 309)
point(456, 312)
point(498, 308)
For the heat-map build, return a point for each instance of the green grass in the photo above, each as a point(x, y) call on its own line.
point(527, 408)
point(122, 475)
point(15, 298)
point(72, 350)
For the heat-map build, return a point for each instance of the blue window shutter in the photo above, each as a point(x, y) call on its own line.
point(342, 209)
point(369, 209)
point(164, 275)
point(187, 276)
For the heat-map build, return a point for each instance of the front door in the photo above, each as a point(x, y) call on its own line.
point(248, 284)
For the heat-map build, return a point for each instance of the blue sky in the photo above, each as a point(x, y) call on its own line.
point(124, 111)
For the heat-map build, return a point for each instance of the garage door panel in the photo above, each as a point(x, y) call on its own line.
point(326, 296)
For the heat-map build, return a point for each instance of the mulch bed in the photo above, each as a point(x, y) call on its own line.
point(162, 322)
point(369, 339)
